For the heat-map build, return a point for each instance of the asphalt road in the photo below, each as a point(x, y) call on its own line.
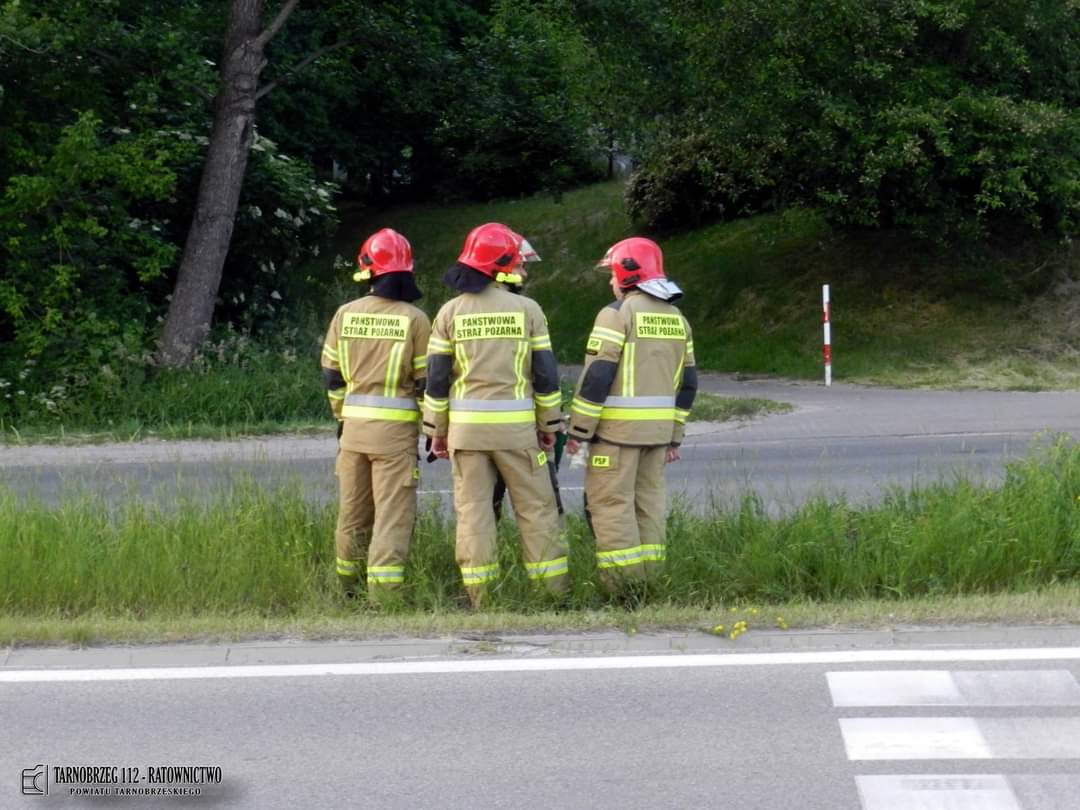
point(928, 729)
point(846, 440)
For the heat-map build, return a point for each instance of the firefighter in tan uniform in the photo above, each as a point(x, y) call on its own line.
point(631, 405)
point(492, 407)
point(373, 365)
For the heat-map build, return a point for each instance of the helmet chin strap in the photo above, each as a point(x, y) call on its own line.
point(508, 278)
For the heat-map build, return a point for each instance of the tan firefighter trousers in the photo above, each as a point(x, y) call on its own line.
point(533, 498)
point(626, 505)
point(377, 510)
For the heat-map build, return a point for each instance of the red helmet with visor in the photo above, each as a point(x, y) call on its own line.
point(385, 251)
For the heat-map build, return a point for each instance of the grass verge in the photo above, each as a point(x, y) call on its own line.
point(717, 408)
point(1050, 604)
point(263, 559)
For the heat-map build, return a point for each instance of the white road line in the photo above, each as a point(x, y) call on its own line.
point(1029, 791)
point(880, 738)
point(975, 792)
point(660, 661)
point(961, 688)
point(913, 738)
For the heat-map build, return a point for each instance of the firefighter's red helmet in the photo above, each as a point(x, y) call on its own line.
point(385, 251)
point(492, 249)
point(634, 260)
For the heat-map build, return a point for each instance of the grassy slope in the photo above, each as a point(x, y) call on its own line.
point(754, 293)
point(753, 297)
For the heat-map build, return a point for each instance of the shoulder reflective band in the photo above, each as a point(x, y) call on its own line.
point(600, 461)
point(439, 346)
point(365, 326)
point(653, 325)
point(603, 333)
point(540, 342)
point(489, 325)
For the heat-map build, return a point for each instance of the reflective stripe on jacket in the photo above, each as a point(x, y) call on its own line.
point(374, 365)
point(638, 382)
point(492, 377)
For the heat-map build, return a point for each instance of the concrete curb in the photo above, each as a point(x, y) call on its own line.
point(517, 646)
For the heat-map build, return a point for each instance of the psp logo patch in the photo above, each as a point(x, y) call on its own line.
point(35, 781)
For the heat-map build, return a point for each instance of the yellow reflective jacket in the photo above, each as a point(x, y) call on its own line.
point(492, 377)
point(373, 366)
point(639, 379)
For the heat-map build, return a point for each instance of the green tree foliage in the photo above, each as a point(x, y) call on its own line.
point(104, 118)
point(949, 119)
point(518, 120)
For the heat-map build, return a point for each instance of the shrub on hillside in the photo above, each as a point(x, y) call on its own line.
point(692, 180)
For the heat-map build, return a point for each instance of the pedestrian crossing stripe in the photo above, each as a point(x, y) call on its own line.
point(1046, 737)
point(958, 688)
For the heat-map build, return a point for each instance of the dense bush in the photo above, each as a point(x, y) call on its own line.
point(89, 244)
point(692, 180)
point(950, 120)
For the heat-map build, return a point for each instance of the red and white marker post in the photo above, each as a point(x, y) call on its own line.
point(827, 349)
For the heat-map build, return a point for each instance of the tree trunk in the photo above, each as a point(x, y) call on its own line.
point(192, 306)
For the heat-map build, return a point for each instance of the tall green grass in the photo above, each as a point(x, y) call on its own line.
point(270, 552)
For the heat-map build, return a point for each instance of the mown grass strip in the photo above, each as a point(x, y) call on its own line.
point(268, 553)
point(1051, 604)
point(717, 408)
